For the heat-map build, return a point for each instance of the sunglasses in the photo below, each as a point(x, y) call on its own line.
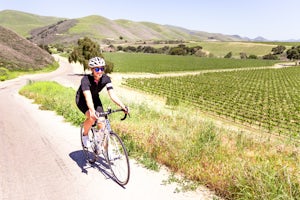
point(97, 69)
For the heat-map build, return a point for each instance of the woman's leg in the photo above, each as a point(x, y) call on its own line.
point(87, 124)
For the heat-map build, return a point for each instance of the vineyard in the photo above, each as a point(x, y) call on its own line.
point(268, 99)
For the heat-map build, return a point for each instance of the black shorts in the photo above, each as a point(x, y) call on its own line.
point(84, 108)
point(81, 104)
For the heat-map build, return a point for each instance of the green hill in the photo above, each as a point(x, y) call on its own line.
point(22, 23)
point(50, 30)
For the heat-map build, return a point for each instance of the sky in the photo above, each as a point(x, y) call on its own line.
point(271, 19)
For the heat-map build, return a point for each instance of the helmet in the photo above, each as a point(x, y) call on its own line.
point(96, 62)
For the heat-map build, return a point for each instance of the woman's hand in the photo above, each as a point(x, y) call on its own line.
point(126, 110)
point(93, 114)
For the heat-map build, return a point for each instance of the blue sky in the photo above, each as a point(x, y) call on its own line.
point(272, 19)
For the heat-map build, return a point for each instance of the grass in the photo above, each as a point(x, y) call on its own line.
point(220, 49)
point(235, 165)
point(6, 74)
point(23, 23)
point(159, 63)
point(92, 24)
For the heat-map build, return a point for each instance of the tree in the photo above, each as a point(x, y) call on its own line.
point(278, 50)
point(86, 50)
point(293, 53)
point(228, 55)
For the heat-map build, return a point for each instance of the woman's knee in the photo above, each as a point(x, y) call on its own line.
point(89, 118)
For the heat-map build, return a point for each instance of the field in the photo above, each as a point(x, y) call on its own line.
point(159, 63)
point(249, 166)
point(220, 49)
point(266, 98)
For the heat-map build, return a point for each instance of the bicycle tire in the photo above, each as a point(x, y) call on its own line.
point(88, 152)
point(117, 159)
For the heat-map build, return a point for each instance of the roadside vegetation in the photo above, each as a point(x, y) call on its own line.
point(234, 164)
point(6, 74)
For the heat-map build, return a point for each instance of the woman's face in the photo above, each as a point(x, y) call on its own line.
point(97, 72)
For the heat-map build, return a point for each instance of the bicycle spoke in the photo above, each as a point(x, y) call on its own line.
point(118, 159)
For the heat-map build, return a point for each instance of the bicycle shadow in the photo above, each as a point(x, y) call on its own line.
point(100, 164)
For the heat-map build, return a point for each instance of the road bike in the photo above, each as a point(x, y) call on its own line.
point(107, 143)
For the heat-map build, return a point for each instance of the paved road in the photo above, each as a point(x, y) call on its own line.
point(41, 156)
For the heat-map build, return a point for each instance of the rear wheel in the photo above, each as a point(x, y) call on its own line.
point(88, 152)
point(117, 159)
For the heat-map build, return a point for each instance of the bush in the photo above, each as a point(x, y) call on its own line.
point(270, 57)
point(252, 57)
point(3, 74)
point(228, 55)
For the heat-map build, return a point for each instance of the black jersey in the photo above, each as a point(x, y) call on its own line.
point(88, 83)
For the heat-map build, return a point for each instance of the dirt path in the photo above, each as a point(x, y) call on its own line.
point(41, 157)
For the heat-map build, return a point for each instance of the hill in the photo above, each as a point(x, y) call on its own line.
point(17, 53)
point(108, 31)
point(22, 23)
point(51, 30)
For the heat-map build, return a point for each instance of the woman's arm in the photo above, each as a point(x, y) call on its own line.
point(89, 102)
point(116, 100)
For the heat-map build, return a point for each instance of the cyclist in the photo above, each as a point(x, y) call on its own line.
point(87, 96)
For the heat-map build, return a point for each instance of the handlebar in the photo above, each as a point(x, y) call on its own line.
point(110, 111)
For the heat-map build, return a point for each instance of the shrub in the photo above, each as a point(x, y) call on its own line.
point(252, 57)
point(3, 74)
point(270, 57)
point(228, 55)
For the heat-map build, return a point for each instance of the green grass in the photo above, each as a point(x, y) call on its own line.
point(158, 63)
point(23, 23)
point(233, 164)
point(89, 24)
point(6, 74)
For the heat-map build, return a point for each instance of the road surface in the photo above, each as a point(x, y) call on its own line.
point(41, 156)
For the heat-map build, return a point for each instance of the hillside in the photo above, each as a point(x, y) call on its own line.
point(22, 23)
point(51, 30)
point(17, 53)
point(110, 31)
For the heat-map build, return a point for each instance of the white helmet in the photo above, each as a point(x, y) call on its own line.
point(96, 62)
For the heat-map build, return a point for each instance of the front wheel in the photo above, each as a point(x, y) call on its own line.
point(117, 158)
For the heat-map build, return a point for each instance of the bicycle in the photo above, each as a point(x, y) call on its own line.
point(110, 145)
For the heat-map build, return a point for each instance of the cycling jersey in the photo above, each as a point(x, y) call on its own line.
point(89, 83)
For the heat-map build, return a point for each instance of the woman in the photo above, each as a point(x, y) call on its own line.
point(87, 96)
